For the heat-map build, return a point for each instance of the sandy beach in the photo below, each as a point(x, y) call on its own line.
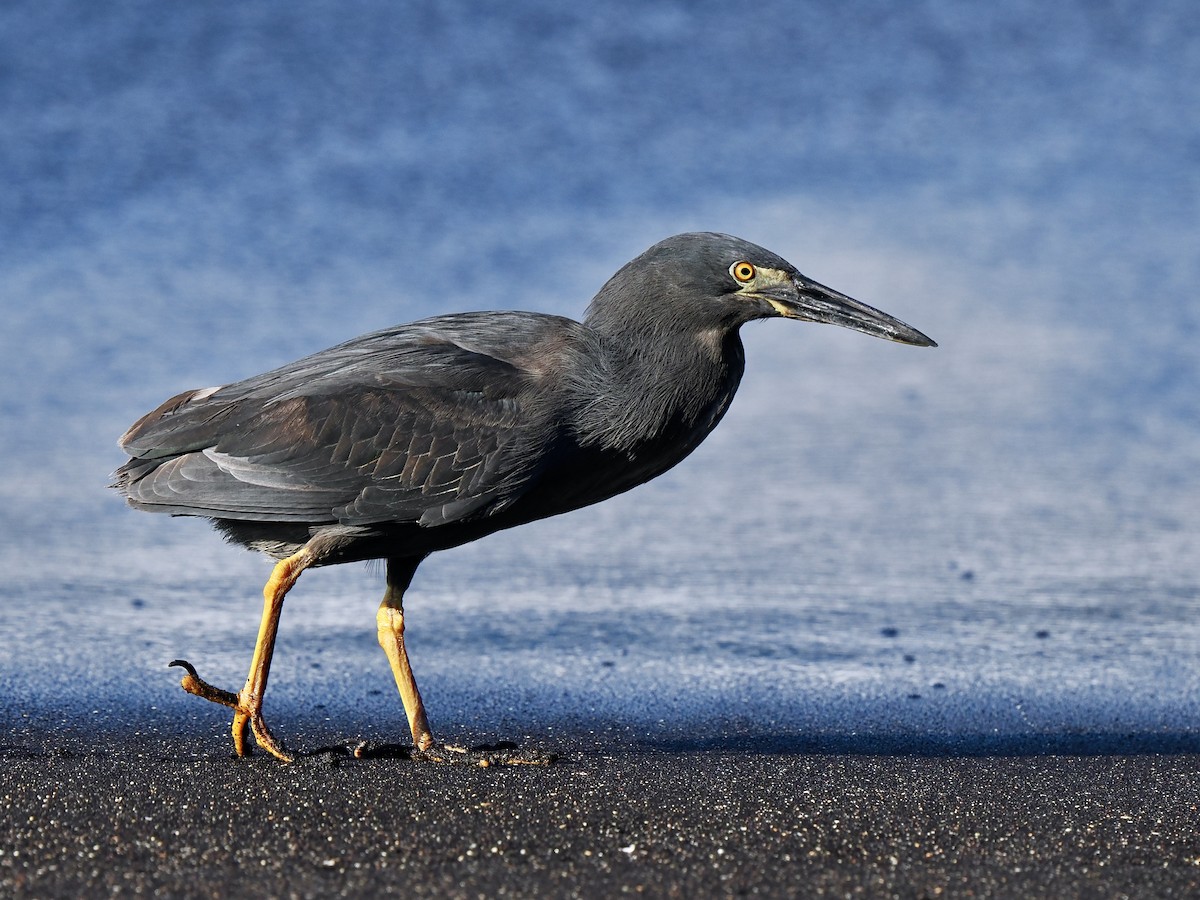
point(182, 818)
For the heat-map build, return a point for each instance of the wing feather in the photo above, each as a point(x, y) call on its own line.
point(433, 423)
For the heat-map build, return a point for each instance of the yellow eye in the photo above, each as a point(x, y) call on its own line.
point(742, 272)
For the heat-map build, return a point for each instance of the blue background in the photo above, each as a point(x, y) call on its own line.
point(991, 544)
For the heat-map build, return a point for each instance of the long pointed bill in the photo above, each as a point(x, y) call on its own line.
point(813, 302)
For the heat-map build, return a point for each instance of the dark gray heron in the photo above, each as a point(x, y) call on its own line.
point(426, 436)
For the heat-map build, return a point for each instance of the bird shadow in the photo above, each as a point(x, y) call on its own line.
point(502, 753)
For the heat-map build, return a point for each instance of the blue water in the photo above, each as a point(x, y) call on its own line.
point(991, 544)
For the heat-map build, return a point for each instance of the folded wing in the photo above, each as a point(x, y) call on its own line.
point(439, 421)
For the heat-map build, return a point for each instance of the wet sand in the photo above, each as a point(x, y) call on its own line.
point(182, 817)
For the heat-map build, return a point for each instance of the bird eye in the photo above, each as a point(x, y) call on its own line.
point(742, 271)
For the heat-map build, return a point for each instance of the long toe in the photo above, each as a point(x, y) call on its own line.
point(241, 719)
point(265, 739)
point(194, 684)
point(262, 735)
point(485, 755)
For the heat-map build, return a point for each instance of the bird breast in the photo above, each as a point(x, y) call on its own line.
point(658, 401)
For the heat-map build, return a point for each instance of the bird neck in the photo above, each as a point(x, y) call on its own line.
point(660, 387)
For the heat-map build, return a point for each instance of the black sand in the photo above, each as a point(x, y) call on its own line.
point(187, 820)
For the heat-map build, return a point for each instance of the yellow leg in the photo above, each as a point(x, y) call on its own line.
point(389, 622)
point(247, 703)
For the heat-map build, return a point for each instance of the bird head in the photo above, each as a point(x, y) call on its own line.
point(706, 280)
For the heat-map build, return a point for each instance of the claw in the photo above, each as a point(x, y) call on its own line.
point(194, 684)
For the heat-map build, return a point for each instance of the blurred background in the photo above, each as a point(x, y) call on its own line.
point(990, 545)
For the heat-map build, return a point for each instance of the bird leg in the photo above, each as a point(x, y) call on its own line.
point(247, 703)
point(389, 623)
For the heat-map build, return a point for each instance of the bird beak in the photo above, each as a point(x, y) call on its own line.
point(812, 302)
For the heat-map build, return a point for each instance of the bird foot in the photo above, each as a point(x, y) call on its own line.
point(482, 756)
point(247, 711)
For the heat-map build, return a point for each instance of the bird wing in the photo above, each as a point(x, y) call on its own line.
point(435, 422)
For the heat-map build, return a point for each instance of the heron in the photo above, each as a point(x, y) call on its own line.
point(429, 435)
